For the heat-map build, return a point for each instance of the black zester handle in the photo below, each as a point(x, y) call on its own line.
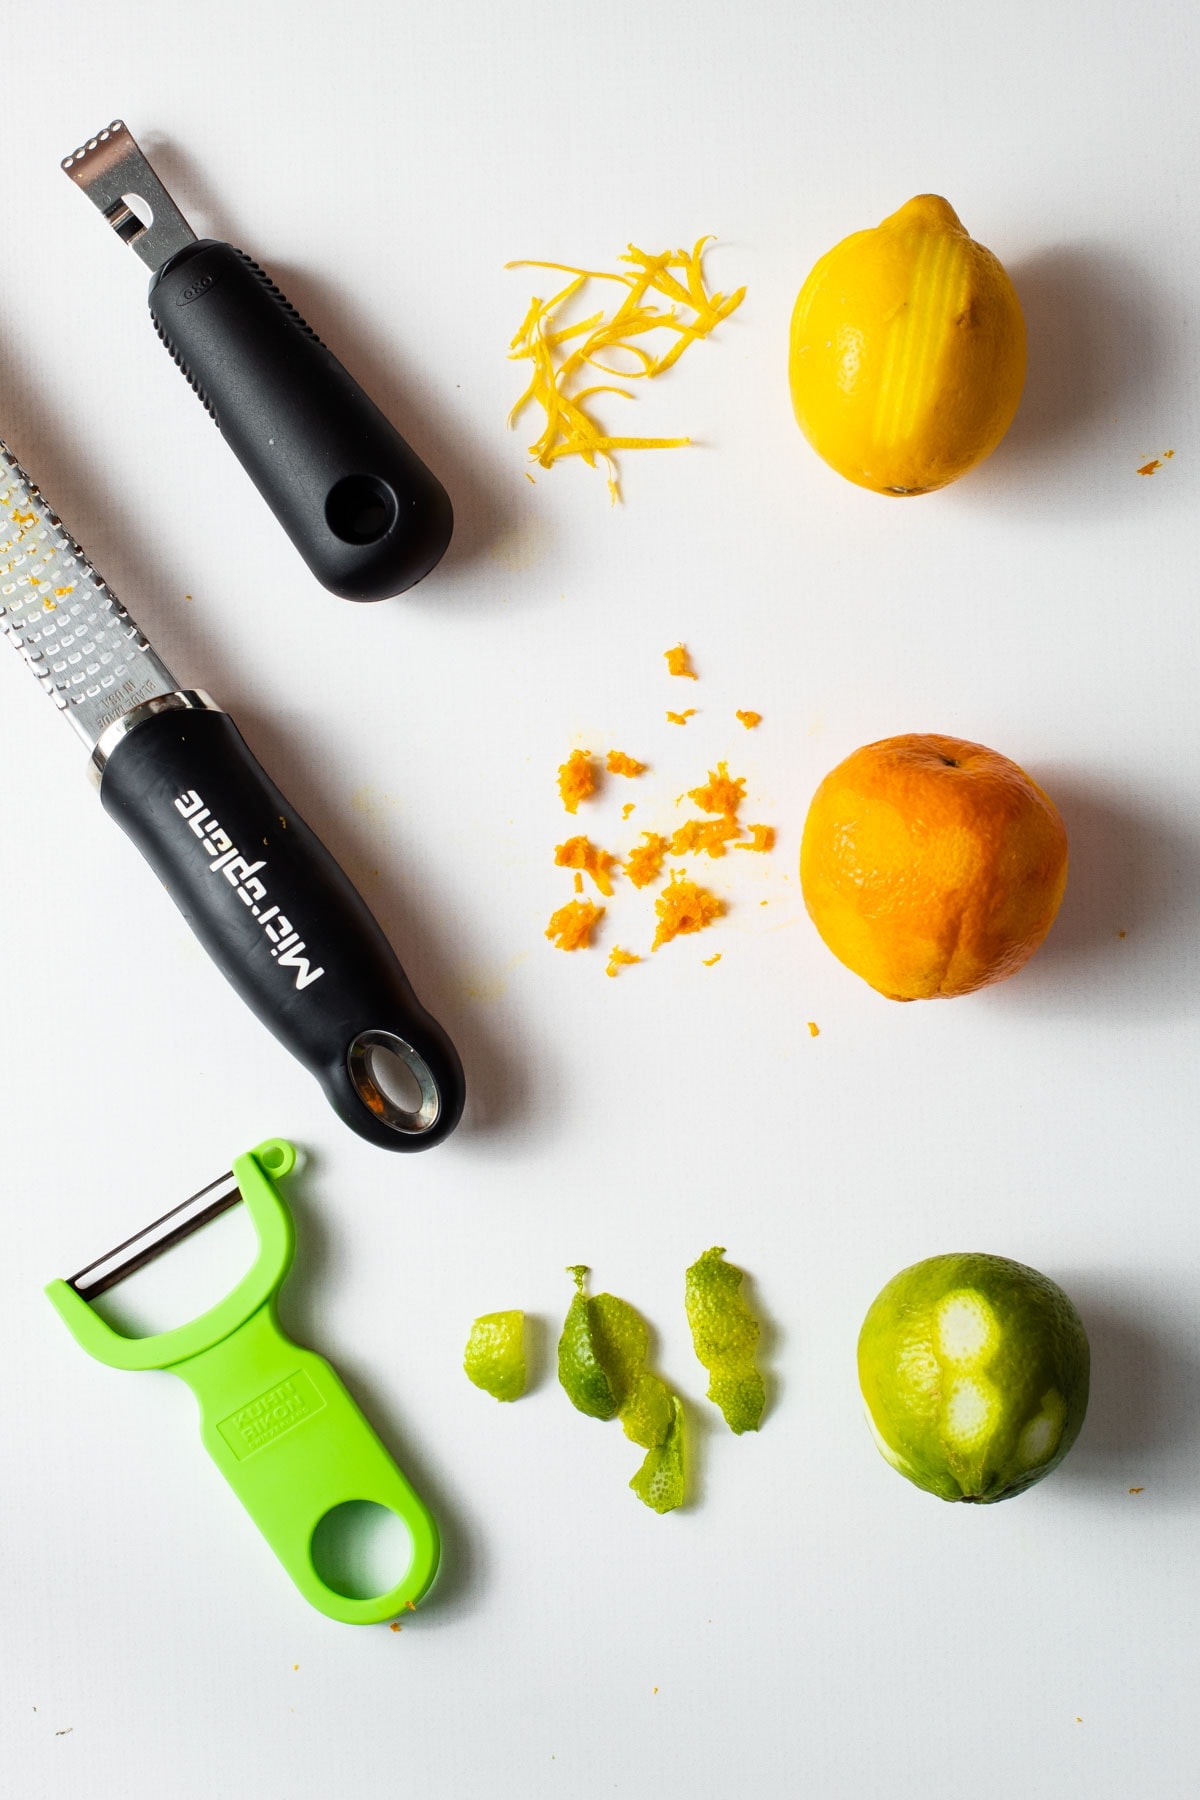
point(365, 513)
point(280, 919)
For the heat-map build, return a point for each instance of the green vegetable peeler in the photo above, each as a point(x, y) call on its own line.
point(275, 1418)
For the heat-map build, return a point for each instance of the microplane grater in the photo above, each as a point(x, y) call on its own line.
point(73, 632)
point(264, 896)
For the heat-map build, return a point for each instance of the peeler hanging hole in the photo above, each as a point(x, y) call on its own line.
point(360, 509)
point(277, 1158)
point(361, 1550)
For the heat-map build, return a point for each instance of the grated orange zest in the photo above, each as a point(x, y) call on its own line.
point(576, 779)
point(542, 341)
point(581, 853)
point(763, 837)
point(644, 862)
point(748, 719)
point(620, 764)
point(679, 662)
point(572, 925)
point(712, 835)
point(619, 959)
point(681, 718)
point(683, 907)
point(721, 794)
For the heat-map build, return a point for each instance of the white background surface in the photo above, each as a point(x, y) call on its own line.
point(810, 1624)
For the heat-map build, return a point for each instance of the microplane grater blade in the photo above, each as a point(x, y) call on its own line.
point(70, 628)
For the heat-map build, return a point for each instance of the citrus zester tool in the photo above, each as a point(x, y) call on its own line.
point(259, 889)
point(360, 506)
point(274, 1417)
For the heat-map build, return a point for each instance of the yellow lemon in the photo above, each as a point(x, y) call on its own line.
point(907, 352)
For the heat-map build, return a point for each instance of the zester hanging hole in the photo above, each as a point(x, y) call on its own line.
point(360, 509)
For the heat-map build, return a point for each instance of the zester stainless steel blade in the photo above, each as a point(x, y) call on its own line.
point(70, 628)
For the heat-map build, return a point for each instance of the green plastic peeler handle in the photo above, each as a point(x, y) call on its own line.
point(275, 1418)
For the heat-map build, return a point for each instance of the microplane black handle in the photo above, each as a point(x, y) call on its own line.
point(365, 513)
point(283, 923)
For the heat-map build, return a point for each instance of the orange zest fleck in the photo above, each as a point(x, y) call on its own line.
point(576, 779)
point(581, 853)
point(620, 764)
point(681, 718)
point(814, 1030)
point(644, 862)
point(571, 927)
point(564, 354)
point(679, 663)
point(578, 883)
point(712, 835)
point(710, 960)
point(619, 959)
point(627, 809)
point(720, 795)
point(1149, 468)
point(763, 838)
point(683, 907)
point(748, 719)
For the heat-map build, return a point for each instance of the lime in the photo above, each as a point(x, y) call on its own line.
point(495, 1355)
point(724, 1333)
point(974, 1370)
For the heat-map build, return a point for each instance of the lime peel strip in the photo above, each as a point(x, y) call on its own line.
point(724, 1334)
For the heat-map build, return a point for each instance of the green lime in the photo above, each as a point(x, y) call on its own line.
point(974, 1370)
point(495, 1355)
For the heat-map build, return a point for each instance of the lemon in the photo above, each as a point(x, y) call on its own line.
point(974, 1370)
point(907, 352)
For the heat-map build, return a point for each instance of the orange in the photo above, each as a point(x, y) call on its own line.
point(931, 866)
point(907, 352)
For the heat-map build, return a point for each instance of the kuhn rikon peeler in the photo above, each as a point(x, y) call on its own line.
point(367, 516)
point(274, 1417)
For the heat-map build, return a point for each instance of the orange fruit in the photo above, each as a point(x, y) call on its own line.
point(931, 866)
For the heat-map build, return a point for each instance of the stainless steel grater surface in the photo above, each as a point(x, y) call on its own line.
point(71, 629)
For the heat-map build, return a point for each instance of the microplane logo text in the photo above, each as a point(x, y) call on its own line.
point(242, 876)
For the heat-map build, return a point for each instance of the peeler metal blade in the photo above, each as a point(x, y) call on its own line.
point(145, 1245)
